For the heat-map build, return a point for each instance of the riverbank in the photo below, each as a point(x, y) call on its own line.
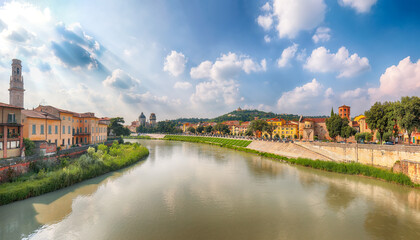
point(330, 166)
point(47, 176)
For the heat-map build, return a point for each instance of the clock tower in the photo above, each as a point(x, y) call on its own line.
point(16, 91)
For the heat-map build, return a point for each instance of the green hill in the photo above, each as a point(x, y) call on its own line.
point(249, 115)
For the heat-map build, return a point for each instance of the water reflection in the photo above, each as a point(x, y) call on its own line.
point(198, 191)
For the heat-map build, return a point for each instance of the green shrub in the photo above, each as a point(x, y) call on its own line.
point(47, 178)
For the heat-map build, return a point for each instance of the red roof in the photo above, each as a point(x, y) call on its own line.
point(9, 106)
point(316, 120)
point(37, 114)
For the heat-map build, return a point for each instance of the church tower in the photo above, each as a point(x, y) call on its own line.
point(16, 85)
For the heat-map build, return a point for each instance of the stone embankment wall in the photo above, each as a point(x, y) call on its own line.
point(286, 149)
point(376, 155)
point(383, 156)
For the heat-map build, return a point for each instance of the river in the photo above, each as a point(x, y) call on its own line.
point(198, 191)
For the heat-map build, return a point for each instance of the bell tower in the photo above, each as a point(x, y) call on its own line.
point(16, 90)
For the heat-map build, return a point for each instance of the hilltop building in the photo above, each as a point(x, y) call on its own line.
point(16, 90)
point(152, 119)
point(142, 119)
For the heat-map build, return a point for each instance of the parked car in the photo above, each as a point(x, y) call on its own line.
point(389, 143)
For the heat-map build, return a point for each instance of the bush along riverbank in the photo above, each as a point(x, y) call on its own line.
point(218, 141)
point(138, 137)
point(48, 176)
point(338, 167)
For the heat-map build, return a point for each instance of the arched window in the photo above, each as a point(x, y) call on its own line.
point(17, 70)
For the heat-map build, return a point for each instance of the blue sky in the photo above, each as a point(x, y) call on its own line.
point(205, 58)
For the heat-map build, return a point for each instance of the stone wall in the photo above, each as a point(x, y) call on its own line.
point(411, 169)
point(377, 155)
point(384, 156)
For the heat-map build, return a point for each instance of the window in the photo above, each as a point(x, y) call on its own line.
point(56, 129)
point(69, 130)
point(64, 132)
point(81, 130)
point(49, 130)
point(64, 118)
point(33, 129)
point(85, 129)
point(85, 139)
point(72, 120)
point(92, 130)
point(17, 71)
point(63, 143)
point(42, 129)
point(68, 141)
point(85, 121)
point(1, 145)
point(11, 118)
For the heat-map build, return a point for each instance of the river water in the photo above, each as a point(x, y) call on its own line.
point(199, 191)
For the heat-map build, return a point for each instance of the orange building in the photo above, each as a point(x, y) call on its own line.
point(344, 112)
point(74, 128)
point(10, 131)
point(40, 126)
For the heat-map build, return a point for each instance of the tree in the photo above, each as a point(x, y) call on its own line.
point(208, 129)
point(222, 128)
point(191, 130)
point(29, 147)
point(381, 117)
point(200, 129)
point(407, 112)
point(257, 126)
point(269, 129)
point(332, 111)
point(347, 131)
point(117, 128)
point(334, 125)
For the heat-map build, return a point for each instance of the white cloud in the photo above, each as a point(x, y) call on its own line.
point(221, 85)
point(267, 39)
point(121, 80)
point(202, 71)
point(293, 16)
point(266, 7)
point(358, 92)
point(301, 99)
point(182, 85)
point(398, 81)
point(287, 55)
point(216, 92)
point(175, 63)
point(322, 34)
point(149, 98)
point(361, 6)
point(265, 21)
point(329, 93)
point(321, 60)
point(227, 66)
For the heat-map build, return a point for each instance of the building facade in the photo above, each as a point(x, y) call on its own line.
point(344, 112)
point(152, 119)
point(11, 140)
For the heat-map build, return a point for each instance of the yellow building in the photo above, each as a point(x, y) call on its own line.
point(283, 129)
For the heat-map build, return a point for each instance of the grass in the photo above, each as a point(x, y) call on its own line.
point(218, 141)
point(137, 137)
point(45, 177)
point(338, 167)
